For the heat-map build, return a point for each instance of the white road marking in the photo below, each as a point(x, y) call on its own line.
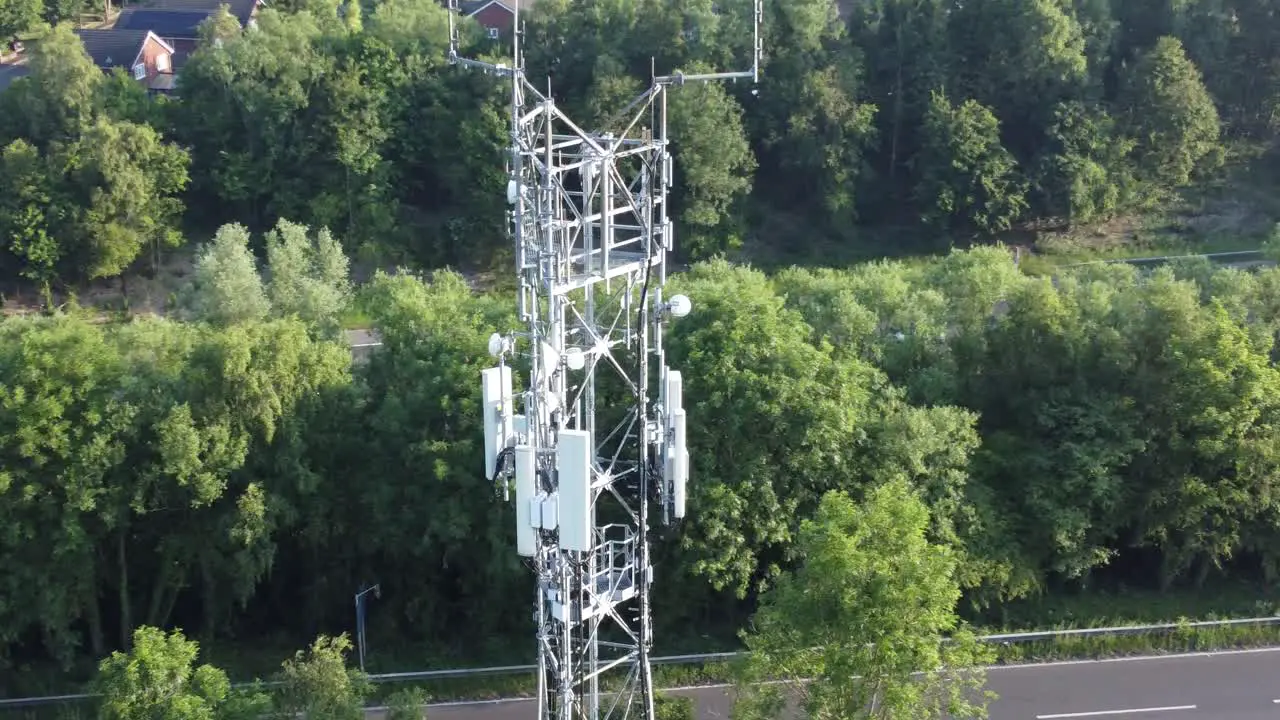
point(1099, 713)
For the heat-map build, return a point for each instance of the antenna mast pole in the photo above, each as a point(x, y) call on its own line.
point(597, 436)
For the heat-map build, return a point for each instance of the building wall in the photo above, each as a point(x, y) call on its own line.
point(151, 52)
point(495, 16)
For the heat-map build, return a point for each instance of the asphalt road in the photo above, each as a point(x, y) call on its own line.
point(1236, 685)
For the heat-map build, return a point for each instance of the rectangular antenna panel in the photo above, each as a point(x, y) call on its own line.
point(677, 465)
point(498, 423)
point(673, 395)
point(573, 460)
point(542, 511)
point(526, 491)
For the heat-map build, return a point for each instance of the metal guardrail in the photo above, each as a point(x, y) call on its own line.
point(1236, 255)
point(1003, 638)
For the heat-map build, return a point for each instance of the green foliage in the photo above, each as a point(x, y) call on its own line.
point(867, 609)
point(157, 680)
point(971, 176)
point(57, 100)
point(670, 707)
point(123, 436)
point(226, 287)
point(308, 279)
point(318, 684)
point(407, 704)
point(1171, 115)
point(1079, 110)
point(110, 183)
point(309, 276)
point(16, 16)
point(219, 27)
point(25, 199)
point(715, 164)
point(1088, 175)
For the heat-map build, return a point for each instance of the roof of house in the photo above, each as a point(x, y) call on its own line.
point(9, 73)
point(181, 53)
point(165, 23)
point(471, 7)
point(116, 48)
point(241, 10)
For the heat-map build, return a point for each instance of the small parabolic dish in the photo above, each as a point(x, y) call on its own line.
point(680, 305)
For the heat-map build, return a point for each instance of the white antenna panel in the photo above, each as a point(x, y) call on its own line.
point(526, 492)
point(550, 357)
point(544, 511)
point(677, 464)
point(678, 471)
point(573, 457)
point(675, 392)
point(499, 430)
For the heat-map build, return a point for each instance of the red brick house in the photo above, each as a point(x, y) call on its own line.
point(177, 22)
point(497, 17)
point(141, 53)
point(179, 28)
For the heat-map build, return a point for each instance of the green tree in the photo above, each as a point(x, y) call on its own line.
point(1087, 174)
point(907, 50)
point(1170, 114)
point(56, 102)
point(309, 276)
point(352, 16)
point(318, 684)
point(219, 27)
point(858, 630)
point(157, 680)
point(967, 174)
point(419, 434)
point(59, 11)
point(764, 392)
point(63, 429)
point(27, 209)
point(810, 124)
point(120, 97)
point(226, 287)
point(124, 180)
point(713, 167)
point(1019, 58)
point(1234, 43)
point(291, 120)
point(16, 16)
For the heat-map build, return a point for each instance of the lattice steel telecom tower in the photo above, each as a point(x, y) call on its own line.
point(590, 222)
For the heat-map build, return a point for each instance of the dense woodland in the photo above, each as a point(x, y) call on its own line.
point(935, 117)
point(227, 469)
